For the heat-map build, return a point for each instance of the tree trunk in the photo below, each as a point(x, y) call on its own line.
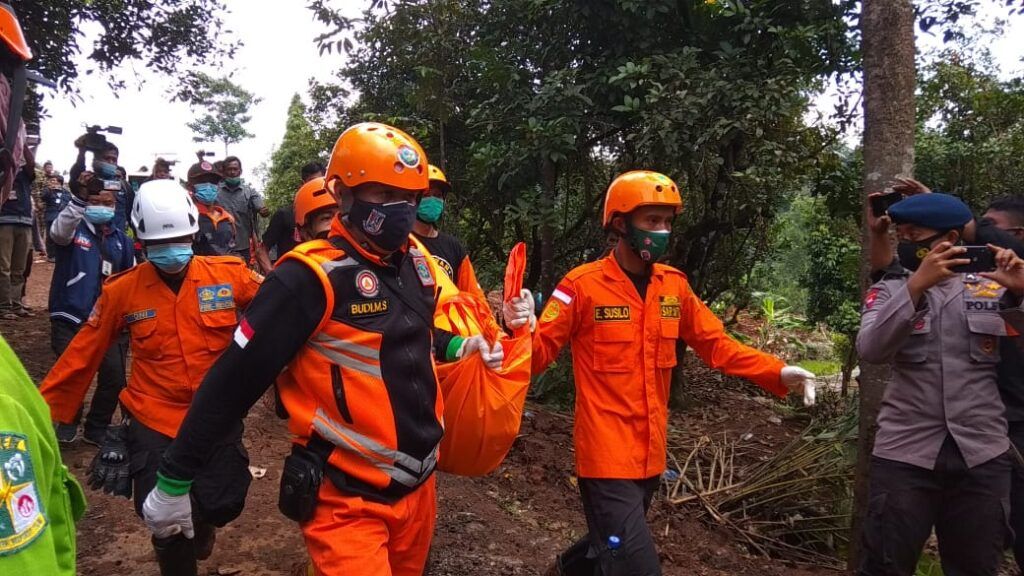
point(887, 45)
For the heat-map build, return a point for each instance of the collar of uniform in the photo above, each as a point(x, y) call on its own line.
point(213, 211)
point(613, 270)
point(339, 229)
point(153, 276)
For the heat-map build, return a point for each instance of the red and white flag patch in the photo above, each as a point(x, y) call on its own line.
point(564, 293)
point(870, 297)
point(243, 333)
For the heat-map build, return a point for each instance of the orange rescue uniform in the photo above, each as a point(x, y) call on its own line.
point(174, 338)
point(624, 349)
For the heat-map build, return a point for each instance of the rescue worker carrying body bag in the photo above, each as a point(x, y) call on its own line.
point(352, 317)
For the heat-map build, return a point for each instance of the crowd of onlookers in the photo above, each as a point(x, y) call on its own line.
point(81, 224)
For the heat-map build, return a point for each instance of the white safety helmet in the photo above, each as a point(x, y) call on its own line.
point(163, 209)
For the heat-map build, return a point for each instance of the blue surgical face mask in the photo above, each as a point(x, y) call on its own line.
point(206, 193)
point(104, 169)
point(99, 214)
point(170, 258)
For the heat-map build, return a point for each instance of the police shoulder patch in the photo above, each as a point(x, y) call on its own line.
point(22, 514)
point(870, 297)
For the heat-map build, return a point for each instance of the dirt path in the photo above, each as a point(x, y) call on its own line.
point(511, 522)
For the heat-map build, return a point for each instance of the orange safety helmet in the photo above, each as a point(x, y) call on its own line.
point(640, 188)
point(374, 152)
point(437, 178)
point(11, 34)
point(312, 196)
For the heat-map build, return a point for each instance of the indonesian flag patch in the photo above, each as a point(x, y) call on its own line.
point(243, 333)
point(564, 293)
point(870, 297)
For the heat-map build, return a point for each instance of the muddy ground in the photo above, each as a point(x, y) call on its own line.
point(511, 522)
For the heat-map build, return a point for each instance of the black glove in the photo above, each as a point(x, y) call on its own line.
point(110, 468)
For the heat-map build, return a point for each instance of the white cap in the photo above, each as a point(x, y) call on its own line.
point(162, 210)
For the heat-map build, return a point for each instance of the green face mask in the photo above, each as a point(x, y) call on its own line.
point(430, 209)
point(234, 181)
point(647, 244)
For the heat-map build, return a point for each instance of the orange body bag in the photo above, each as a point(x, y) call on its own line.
point(482, 407)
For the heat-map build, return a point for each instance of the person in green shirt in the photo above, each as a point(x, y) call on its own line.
point(40, 501)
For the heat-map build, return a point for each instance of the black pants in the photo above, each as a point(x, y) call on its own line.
point(969, 509)
point(110, 380)
point(615, 509)
point(219, 488)
point(1017, 493)
point(51, 246)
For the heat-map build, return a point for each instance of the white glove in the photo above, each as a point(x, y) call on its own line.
point(799, 381)
point(167, 515)
point(493, 356)
point(519, 311)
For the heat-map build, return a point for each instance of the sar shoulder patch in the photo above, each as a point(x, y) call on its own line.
point(551, 312)
point(22, 516)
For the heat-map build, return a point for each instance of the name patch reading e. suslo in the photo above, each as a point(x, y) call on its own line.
point(611, 313)
point(369, 308)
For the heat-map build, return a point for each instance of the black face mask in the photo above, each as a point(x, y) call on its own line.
point(912, 253)
point(386, 225)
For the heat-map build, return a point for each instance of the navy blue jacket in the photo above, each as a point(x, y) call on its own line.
point(81, 250)
point(17, 208)
point(54, 200)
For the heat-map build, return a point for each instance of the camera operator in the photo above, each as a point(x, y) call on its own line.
point(104, 166)
point(89, 250)
point(54, 199)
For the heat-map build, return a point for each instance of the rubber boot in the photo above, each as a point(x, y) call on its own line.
point(574, 561)
point(206, 536)
point(176, 555)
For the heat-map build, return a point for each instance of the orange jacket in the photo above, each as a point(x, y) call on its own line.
point(365, 381)
point(174, 338)
point(623, 352)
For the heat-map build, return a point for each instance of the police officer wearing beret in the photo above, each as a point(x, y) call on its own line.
point(941, 454)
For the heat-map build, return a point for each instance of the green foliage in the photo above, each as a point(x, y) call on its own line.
point(715, 99)
point(970, 135)
point(226, 106)
point(833, 289)
point(298, 147)
point(820, 367)
point(165, 37)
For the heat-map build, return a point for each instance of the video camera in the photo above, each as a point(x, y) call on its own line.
point(94, 141)
point(97, 185)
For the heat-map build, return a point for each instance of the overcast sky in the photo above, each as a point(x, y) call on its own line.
point(277, 60)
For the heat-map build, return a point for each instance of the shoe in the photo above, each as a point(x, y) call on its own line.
point(175, 555)
point(67, 433)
